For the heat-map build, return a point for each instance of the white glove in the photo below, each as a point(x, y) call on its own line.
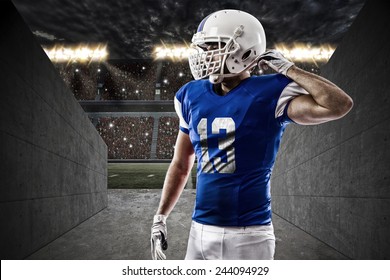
point(158, 238)
point(275, 60)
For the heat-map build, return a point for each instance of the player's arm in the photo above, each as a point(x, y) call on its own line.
point(177, 174)
point(175, 180)
point(325, 101)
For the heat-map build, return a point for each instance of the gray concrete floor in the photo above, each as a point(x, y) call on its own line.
point(122, 231)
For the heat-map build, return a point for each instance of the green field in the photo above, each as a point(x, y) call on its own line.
point(139, 175)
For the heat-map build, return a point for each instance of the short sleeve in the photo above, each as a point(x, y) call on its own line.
point(291, 91)
point(183, 125)
point(284, 119)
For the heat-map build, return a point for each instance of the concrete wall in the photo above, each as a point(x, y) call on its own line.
point(53, 162)
point(333, 180)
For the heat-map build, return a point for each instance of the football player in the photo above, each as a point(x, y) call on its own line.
point(233, 123)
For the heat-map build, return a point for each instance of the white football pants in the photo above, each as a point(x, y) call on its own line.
point(230, 243)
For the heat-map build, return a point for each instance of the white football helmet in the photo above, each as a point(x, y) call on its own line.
point(240, 38)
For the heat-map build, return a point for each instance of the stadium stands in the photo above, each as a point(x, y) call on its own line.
point(173, 76)
point(126, 137)
point(129, 81)
point(114, 80)
point(167, 132)
point(131, 137)
point(81, 79)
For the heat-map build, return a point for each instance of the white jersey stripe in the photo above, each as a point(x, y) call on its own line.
point(179, 113)
point(291, 91)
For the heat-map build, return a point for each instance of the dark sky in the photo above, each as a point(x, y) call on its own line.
point(131, 28)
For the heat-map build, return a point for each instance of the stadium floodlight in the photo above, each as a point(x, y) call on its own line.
point(81, 53)
point(298, 52)
point(175, 52)
point(306, 53)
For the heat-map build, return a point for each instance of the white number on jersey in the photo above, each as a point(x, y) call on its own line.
point(224, 144)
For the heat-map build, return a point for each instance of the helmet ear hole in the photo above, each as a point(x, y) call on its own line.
point(246, 55)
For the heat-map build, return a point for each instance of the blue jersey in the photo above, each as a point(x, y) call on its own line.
point(236, 138)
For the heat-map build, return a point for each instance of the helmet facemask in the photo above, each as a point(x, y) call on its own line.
point(204, 62)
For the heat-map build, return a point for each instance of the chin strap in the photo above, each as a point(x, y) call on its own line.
point(216, 79)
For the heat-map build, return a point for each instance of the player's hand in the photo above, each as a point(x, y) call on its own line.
point(158, 239)
point(275, 60)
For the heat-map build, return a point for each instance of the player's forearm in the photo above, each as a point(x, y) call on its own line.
point(324, 92)
point(174, 184)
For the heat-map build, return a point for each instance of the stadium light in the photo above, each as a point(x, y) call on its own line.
point(175, 52)
point(306, 53)
point(297, 52)
point(81, 53)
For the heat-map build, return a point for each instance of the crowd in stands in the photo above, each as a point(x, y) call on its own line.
point(167, 133)
point(132, 80)
point(173, 76)
point(126, 137)
point(113, 80)
point(80, 78)
point(131, 137)
point(129, 80)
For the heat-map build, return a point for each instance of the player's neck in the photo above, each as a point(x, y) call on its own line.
point(230, 83)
